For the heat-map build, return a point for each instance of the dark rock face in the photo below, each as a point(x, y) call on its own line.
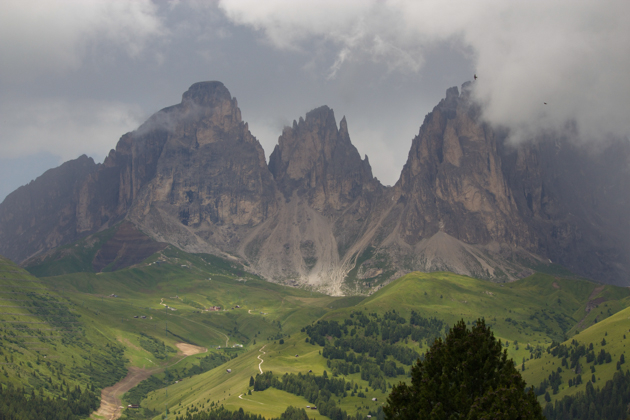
point(467, 201)
point(43, 214)
point(127, 247)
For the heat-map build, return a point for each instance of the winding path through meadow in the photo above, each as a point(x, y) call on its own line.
point(261, 371)
point(261, 360)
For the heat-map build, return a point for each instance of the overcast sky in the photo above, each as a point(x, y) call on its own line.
point(76, 75)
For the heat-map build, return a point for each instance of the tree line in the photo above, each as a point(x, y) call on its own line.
point(318, 390)
point(220, 413)
point(364, 343)
point(610, 402)
point(73, 404)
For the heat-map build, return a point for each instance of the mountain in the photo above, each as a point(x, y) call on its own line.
point(44, 214)
point(471, 202)
point(467, 201)
point(211, 183)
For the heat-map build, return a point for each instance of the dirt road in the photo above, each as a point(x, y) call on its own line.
point(110, 397)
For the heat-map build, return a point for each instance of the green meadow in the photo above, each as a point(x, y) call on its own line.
point(92, 327)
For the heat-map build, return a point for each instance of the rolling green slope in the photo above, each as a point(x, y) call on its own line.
point(612, 336)
point(141, 315)
point(528, 314)
point(46, 348)
point(188, 284)
point(536, 310)
point(99, 325)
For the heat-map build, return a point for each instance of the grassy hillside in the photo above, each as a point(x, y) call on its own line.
point(536, 310)
point(528, 314)
point(143, 313)
point(188, 284)
point(612, 335)
point(46, 347)
point(99, 325)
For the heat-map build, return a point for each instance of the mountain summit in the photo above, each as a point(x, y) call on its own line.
point(467, 200)
point(317, 159)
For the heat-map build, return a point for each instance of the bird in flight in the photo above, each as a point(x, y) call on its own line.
point(545, 103)
point(475, 76)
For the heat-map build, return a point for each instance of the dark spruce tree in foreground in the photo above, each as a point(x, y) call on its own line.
point(464, 376)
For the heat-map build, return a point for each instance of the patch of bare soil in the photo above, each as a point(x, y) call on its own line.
point(110, 397)
point(592, 303)
point(189, 349)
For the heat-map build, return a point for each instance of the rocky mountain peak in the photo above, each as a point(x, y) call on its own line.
point(453, 178)
point(207, 94)
point(316, 158)
point(452, 94)
point(211, 110)
point(343, 126)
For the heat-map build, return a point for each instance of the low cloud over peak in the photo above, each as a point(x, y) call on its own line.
point(569, 54)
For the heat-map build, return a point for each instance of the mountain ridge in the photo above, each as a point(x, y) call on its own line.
point(467, 200)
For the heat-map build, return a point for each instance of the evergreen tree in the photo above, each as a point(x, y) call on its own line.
point(464, 376)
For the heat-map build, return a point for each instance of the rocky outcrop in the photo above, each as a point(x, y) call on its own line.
point(467, 201)
point(453, 180)
point(452, 208)
point(574, 199)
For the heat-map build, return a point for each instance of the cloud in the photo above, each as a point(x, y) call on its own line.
point(568, 53)
point(41, 36)
point(64, 128)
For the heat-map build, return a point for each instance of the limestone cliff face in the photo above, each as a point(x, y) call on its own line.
point(106, 195)
point(316, 159)
point(575, 200)
point(329, 200)
point(453, 180)
point(452, 208)
point(211, 182)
